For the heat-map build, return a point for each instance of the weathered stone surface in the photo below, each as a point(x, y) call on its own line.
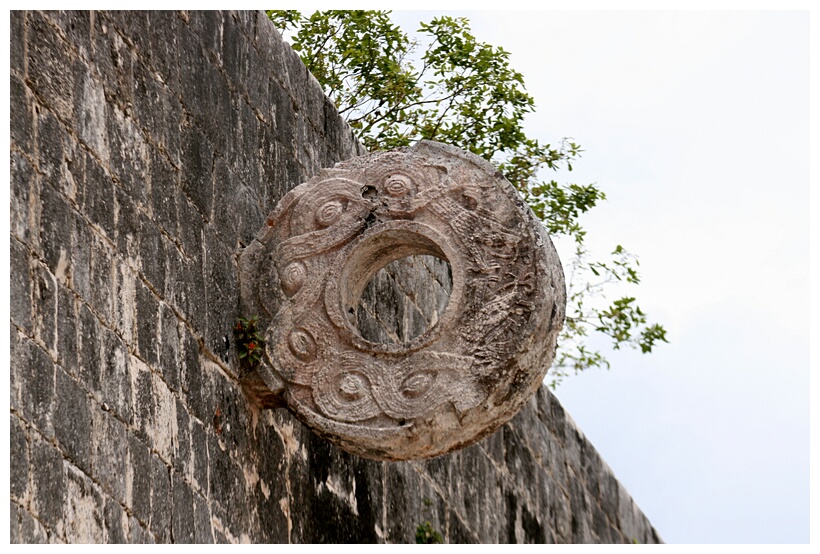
point(18, 453)
point(428, 391)
point(72, 420)
point(52, 69)
point(140, 169)
point(23, 187)
point(20, 123)
point(108, 465)
point(20, 284)
point(114, 523)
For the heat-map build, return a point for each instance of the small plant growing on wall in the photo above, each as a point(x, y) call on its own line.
point(425, 534)
point(249, 344)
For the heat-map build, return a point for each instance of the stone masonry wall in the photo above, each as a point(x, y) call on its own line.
point(146, 151)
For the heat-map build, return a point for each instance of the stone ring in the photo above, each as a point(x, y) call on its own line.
point(453, 383)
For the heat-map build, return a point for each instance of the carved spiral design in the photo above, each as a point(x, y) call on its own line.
point(293, 277)
point(457, 381)
point(329, 213)
point(397, 185)
point(302, 344)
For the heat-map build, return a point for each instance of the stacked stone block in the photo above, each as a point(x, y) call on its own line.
point(404, 299)
point(146, 150)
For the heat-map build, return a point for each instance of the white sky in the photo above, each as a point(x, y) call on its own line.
point(696, 126)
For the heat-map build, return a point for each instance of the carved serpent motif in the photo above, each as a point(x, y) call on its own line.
point(455, 382)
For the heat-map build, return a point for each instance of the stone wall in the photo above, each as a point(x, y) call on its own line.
point(146, 151)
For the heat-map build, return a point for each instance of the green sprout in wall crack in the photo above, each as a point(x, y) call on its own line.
point(425, 534)
point(249, 343)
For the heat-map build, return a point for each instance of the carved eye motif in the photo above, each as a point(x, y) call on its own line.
point(329, 213)
point(417, 384)
point(469, 200)
point(302, 345)
point(397, 185)
point(292, 277)
point(352, 386)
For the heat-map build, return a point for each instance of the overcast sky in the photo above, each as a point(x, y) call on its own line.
point(695, 124)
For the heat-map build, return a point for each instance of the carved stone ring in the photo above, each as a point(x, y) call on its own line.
point(456, 382)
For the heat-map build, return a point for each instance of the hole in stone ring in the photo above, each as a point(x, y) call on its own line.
point(404, 299)
point(396, 286)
